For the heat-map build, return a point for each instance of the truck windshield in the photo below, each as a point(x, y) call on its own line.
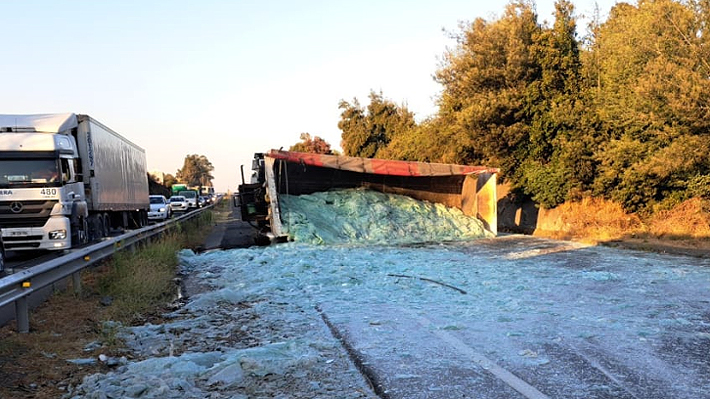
point(189, 194)
point(29, 173)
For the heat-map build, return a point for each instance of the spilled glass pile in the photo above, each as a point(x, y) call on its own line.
point(370, 217)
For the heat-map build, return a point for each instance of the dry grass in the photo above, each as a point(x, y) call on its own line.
point(684, 230)
point(35, 365)
point(139, 283)
point(690, 219)
point(593, 220)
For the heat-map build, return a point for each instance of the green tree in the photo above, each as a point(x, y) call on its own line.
point(485, 80)
point(311, 144)
point(559, 162)
point(169, 180)
point(433, 140)
point(367, 132)
point(196, 171)
point(653, 98)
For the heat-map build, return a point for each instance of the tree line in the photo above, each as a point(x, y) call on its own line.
point(620, 113)
point(196, 171)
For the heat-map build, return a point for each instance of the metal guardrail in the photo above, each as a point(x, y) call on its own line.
point(18, 287)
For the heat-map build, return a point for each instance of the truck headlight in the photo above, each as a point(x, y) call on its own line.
point(57, 235)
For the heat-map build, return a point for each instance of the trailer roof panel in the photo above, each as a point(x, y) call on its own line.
point(379, 166)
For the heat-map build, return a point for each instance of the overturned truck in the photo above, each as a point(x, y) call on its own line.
point(472, 189)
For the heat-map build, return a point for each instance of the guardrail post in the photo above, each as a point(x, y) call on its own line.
point(76, 281)
point(22, 315)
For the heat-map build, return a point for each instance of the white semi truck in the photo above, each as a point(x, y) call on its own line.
point(66, 179)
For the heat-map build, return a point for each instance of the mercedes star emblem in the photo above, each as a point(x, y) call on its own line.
point(16, 207)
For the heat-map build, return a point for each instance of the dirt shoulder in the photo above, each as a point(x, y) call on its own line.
point(65, 341)
point(687, 247)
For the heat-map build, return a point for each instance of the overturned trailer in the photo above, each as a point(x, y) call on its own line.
point(469, 188)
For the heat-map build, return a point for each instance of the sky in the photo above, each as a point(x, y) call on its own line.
point(227, 79)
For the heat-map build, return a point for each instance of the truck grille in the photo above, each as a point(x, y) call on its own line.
point(25, 213)
point(22, 242)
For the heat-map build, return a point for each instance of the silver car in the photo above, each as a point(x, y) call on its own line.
point(178, 203)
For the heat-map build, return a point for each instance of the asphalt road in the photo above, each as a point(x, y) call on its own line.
point(528, 318)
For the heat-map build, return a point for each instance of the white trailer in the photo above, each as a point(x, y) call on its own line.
point(66, 179)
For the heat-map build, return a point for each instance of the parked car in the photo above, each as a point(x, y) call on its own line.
point(178, 203)
point(159, 208)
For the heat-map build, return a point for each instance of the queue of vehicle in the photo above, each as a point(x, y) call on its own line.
point(67, 180)
point(164, 208)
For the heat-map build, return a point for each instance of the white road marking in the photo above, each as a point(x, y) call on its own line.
point(504, 375)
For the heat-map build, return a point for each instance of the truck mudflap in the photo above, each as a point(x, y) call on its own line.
point(37, 238)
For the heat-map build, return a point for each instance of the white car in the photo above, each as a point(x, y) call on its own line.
point(178, 203)
point(159, 208)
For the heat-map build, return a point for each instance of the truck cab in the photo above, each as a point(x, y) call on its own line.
point(67, 179)
point(41, 193)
